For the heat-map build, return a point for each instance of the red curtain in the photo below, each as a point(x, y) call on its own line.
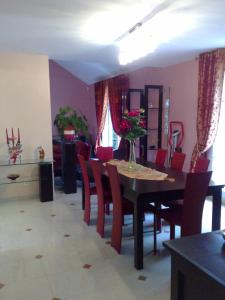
point(117, 86)
point(210, 85)
point(101, 101)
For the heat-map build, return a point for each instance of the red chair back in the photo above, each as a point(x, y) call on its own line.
point(103, 194)
point(177, 162)
point(161, 157)
point(104, 153)
point(117, 207)
point(84, 172)
point(83, 149)
point(194, 197)
point(201, 165)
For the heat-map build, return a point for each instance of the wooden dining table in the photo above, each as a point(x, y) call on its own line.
point(142, 192)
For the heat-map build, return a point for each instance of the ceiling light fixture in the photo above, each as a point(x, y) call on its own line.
point(146, 36)
point(136, 44)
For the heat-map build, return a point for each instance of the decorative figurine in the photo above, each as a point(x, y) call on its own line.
point(14, 146)
point(41, 153)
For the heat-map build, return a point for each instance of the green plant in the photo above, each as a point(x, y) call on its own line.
point(68, 117)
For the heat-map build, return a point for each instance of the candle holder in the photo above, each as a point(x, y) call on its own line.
point(14, 147)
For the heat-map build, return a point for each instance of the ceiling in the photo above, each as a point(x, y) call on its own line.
point(80, 35)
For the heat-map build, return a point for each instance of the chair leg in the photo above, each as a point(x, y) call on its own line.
point(172, 231)
point(155, 235)
point(116, 239)
point(83, 195)
point(87, 209)
point(101, 218)
point(107, 209)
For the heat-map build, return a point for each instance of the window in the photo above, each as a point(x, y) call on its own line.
point(109, 137)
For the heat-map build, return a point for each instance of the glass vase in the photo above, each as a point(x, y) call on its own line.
point(132, 155)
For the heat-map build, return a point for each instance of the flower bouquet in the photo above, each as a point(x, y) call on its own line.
point(133, 126)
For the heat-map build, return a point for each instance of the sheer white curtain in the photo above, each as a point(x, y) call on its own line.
point(109, 137)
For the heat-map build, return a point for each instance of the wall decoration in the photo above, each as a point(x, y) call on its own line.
point(14, 146)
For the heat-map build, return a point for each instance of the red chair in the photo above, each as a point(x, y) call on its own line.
point(88, 190)
point(104, 153)
point(177, 162)
point(103, 194)
point(161, 157)
point(83, 149)
point(201, 165)
point(121, 207)
point(188, 216)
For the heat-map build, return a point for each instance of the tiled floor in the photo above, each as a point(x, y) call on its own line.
point(48, 253)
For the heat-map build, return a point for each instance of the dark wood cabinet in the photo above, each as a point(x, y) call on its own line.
point(136, 99)
point(151, 99)
point(69, 167)
point(153, 104)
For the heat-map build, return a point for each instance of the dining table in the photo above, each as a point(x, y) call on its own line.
point(142, 192)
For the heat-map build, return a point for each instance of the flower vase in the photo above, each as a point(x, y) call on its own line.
point(132, 155)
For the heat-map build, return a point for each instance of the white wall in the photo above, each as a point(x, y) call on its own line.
point(24, 103)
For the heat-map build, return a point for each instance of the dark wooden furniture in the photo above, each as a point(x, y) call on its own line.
point(45, 181)
point(135, 99)
point(142, 192)
point(151, 99)
point(198, 267)
point(69, 167)
point(152, 104)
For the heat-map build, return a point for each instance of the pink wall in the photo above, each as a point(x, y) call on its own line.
point(183, 82)
point(66, 89)
point(182, 79)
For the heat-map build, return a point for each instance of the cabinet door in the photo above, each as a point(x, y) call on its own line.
point(153, 109)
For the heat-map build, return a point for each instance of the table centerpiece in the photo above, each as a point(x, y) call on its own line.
point(133, 126)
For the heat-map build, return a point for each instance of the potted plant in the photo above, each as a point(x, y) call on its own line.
point(68, 119)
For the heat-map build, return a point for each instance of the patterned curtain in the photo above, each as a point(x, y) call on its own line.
point(210, 85)
point(117, 86)
point(101, 101)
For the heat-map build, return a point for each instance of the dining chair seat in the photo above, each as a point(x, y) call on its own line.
point(173, 216)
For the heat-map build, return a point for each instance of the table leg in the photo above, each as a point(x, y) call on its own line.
point(138, 235)
point(216, 208)
point(83, 194)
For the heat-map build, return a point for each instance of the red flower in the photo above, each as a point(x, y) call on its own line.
point(142, 123)
point(133, 113)
point(125, 126)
